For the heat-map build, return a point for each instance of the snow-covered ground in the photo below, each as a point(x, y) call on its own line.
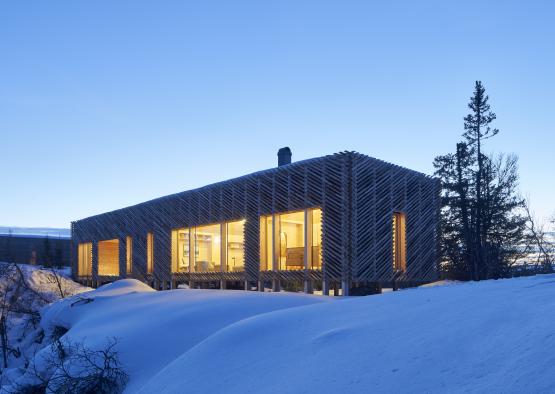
point(486, 337)
point(24, 291)
point(155, 328)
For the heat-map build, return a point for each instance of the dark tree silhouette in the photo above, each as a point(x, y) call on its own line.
point(481, 222)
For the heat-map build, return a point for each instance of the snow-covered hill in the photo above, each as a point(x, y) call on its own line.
point(486, 337)
point(24, 290)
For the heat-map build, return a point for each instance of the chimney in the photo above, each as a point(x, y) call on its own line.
point(284, 156)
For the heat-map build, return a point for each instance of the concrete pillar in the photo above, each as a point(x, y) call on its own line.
point(276, 286)
point(247, 285)
point(261, 285)
point(223, 284)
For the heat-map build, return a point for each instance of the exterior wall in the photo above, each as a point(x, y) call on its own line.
point(34, 250)
point(357, 195)
point(379, 190)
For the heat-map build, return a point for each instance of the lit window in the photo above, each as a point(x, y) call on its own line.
point(108, 257)
point(292, 239)
point(266, 260)
point(234, 238)
point(180, 250)
point(399, 242)
point(129, 254)
point(315, 218)
point(150, 253)
point(84, 259)
point(207, 248)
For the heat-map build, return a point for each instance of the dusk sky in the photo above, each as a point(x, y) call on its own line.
point(106, 104)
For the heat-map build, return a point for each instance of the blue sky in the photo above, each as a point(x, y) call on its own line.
point(106, 104)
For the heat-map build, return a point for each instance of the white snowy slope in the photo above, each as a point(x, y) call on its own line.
point(486, 337)
point(28, 287)
point(154, 328)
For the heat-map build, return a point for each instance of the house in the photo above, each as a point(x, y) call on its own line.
point(344, 223)
point(37, 246)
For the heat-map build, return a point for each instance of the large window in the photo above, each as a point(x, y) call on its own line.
point(235, 247)
point(108, 257)
point(291, 240)
point(211, 248)
point(129, 254)
point(207, 248)
point(315, 220)
point(399, 242)
point(150, 253)
point(180, 250)
point(266, 233)
point(84, 259)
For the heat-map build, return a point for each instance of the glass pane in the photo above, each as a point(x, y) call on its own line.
point(266, 243)
point(291, 241)
point(316, 262)
point(129, 254)
point(108, 257)
point(182, 250)
point(207, 248)
point(150, 253)
point(399, 242)
point(235, 246)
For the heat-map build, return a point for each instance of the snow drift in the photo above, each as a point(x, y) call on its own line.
point(153, 328)
point(492, 336)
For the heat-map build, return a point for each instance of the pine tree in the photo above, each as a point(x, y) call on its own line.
point(482, 228)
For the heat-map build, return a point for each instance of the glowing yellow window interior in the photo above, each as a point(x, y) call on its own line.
point(180, 250)
point(129, 254)
point(84, 259)
point(291, 240)
point(150, 253)
point(108, 257)
point(399, 242)
point(204, 248)
point(235, 246)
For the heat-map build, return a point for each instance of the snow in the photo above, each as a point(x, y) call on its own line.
point(154, 328)
point(490, 336)
point(40, 287)
point(494, 336)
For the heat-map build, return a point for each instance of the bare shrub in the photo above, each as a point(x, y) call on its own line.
point(71, 367)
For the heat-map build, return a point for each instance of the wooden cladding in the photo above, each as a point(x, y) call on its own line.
point(356, 196)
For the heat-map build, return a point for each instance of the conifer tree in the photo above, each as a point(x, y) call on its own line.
point(482, 228)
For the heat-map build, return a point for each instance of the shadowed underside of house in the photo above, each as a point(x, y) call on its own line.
point(345, 222)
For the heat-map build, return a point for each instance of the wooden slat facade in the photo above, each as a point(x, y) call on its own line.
point(357, 194)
